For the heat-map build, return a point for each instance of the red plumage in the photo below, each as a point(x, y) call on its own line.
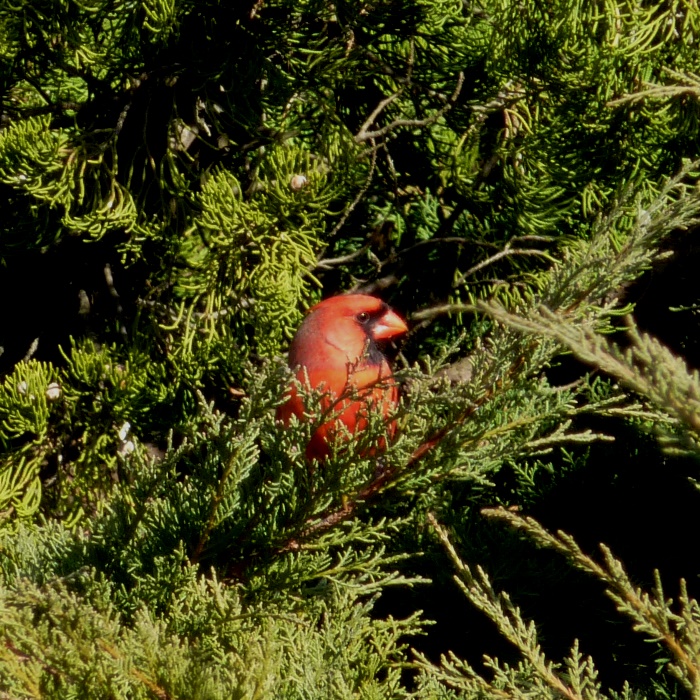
point(337, 349)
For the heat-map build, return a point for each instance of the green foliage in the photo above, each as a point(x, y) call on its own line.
point(26, 396)
point(78, 180)
point(196, 175)
point(535, 675)
point(244, 651)
point(646, 367)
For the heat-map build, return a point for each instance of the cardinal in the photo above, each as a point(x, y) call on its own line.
point(337, 350)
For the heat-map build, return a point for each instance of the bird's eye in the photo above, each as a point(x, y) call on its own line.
point(363, 317)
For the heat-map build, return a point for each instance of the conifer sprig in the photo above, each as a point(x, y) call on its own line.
point(674, 624)
point(535, 675)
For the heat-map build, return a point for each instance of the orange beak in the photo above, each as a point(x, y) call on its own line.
point(389, 326)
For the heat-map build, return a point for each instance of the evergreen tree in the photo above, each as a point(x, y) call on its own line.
point(179, 182)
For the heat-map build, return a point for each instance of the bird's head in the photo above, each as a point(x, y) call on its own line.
point(346, 327)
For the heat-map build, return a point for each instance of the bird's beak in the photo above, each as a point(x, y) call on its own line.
point(389, 325)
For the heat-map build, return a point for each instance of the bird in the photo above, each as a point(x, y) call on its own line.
point(338, 350)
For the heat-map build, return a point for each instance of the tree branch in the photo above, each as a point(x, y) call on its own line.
point(365, 135)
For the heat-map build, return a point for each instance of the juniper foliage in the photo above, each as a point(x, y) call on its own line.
point(179, 182)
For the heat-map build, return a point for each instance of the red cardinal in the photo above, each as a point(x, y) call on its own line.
point(337, 347)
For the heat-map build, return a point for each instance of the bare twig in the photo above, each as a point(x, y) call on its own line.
point(375, 286)
point(362, 134)
point(434, 311)
point(502, 254)
point(507, 251)
point(460, 240)
point(32, 349)
point(433, 241)
point(330, 263)
point(688, 84)
point(365, 135)
point(358, 197)
point(407, 79)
